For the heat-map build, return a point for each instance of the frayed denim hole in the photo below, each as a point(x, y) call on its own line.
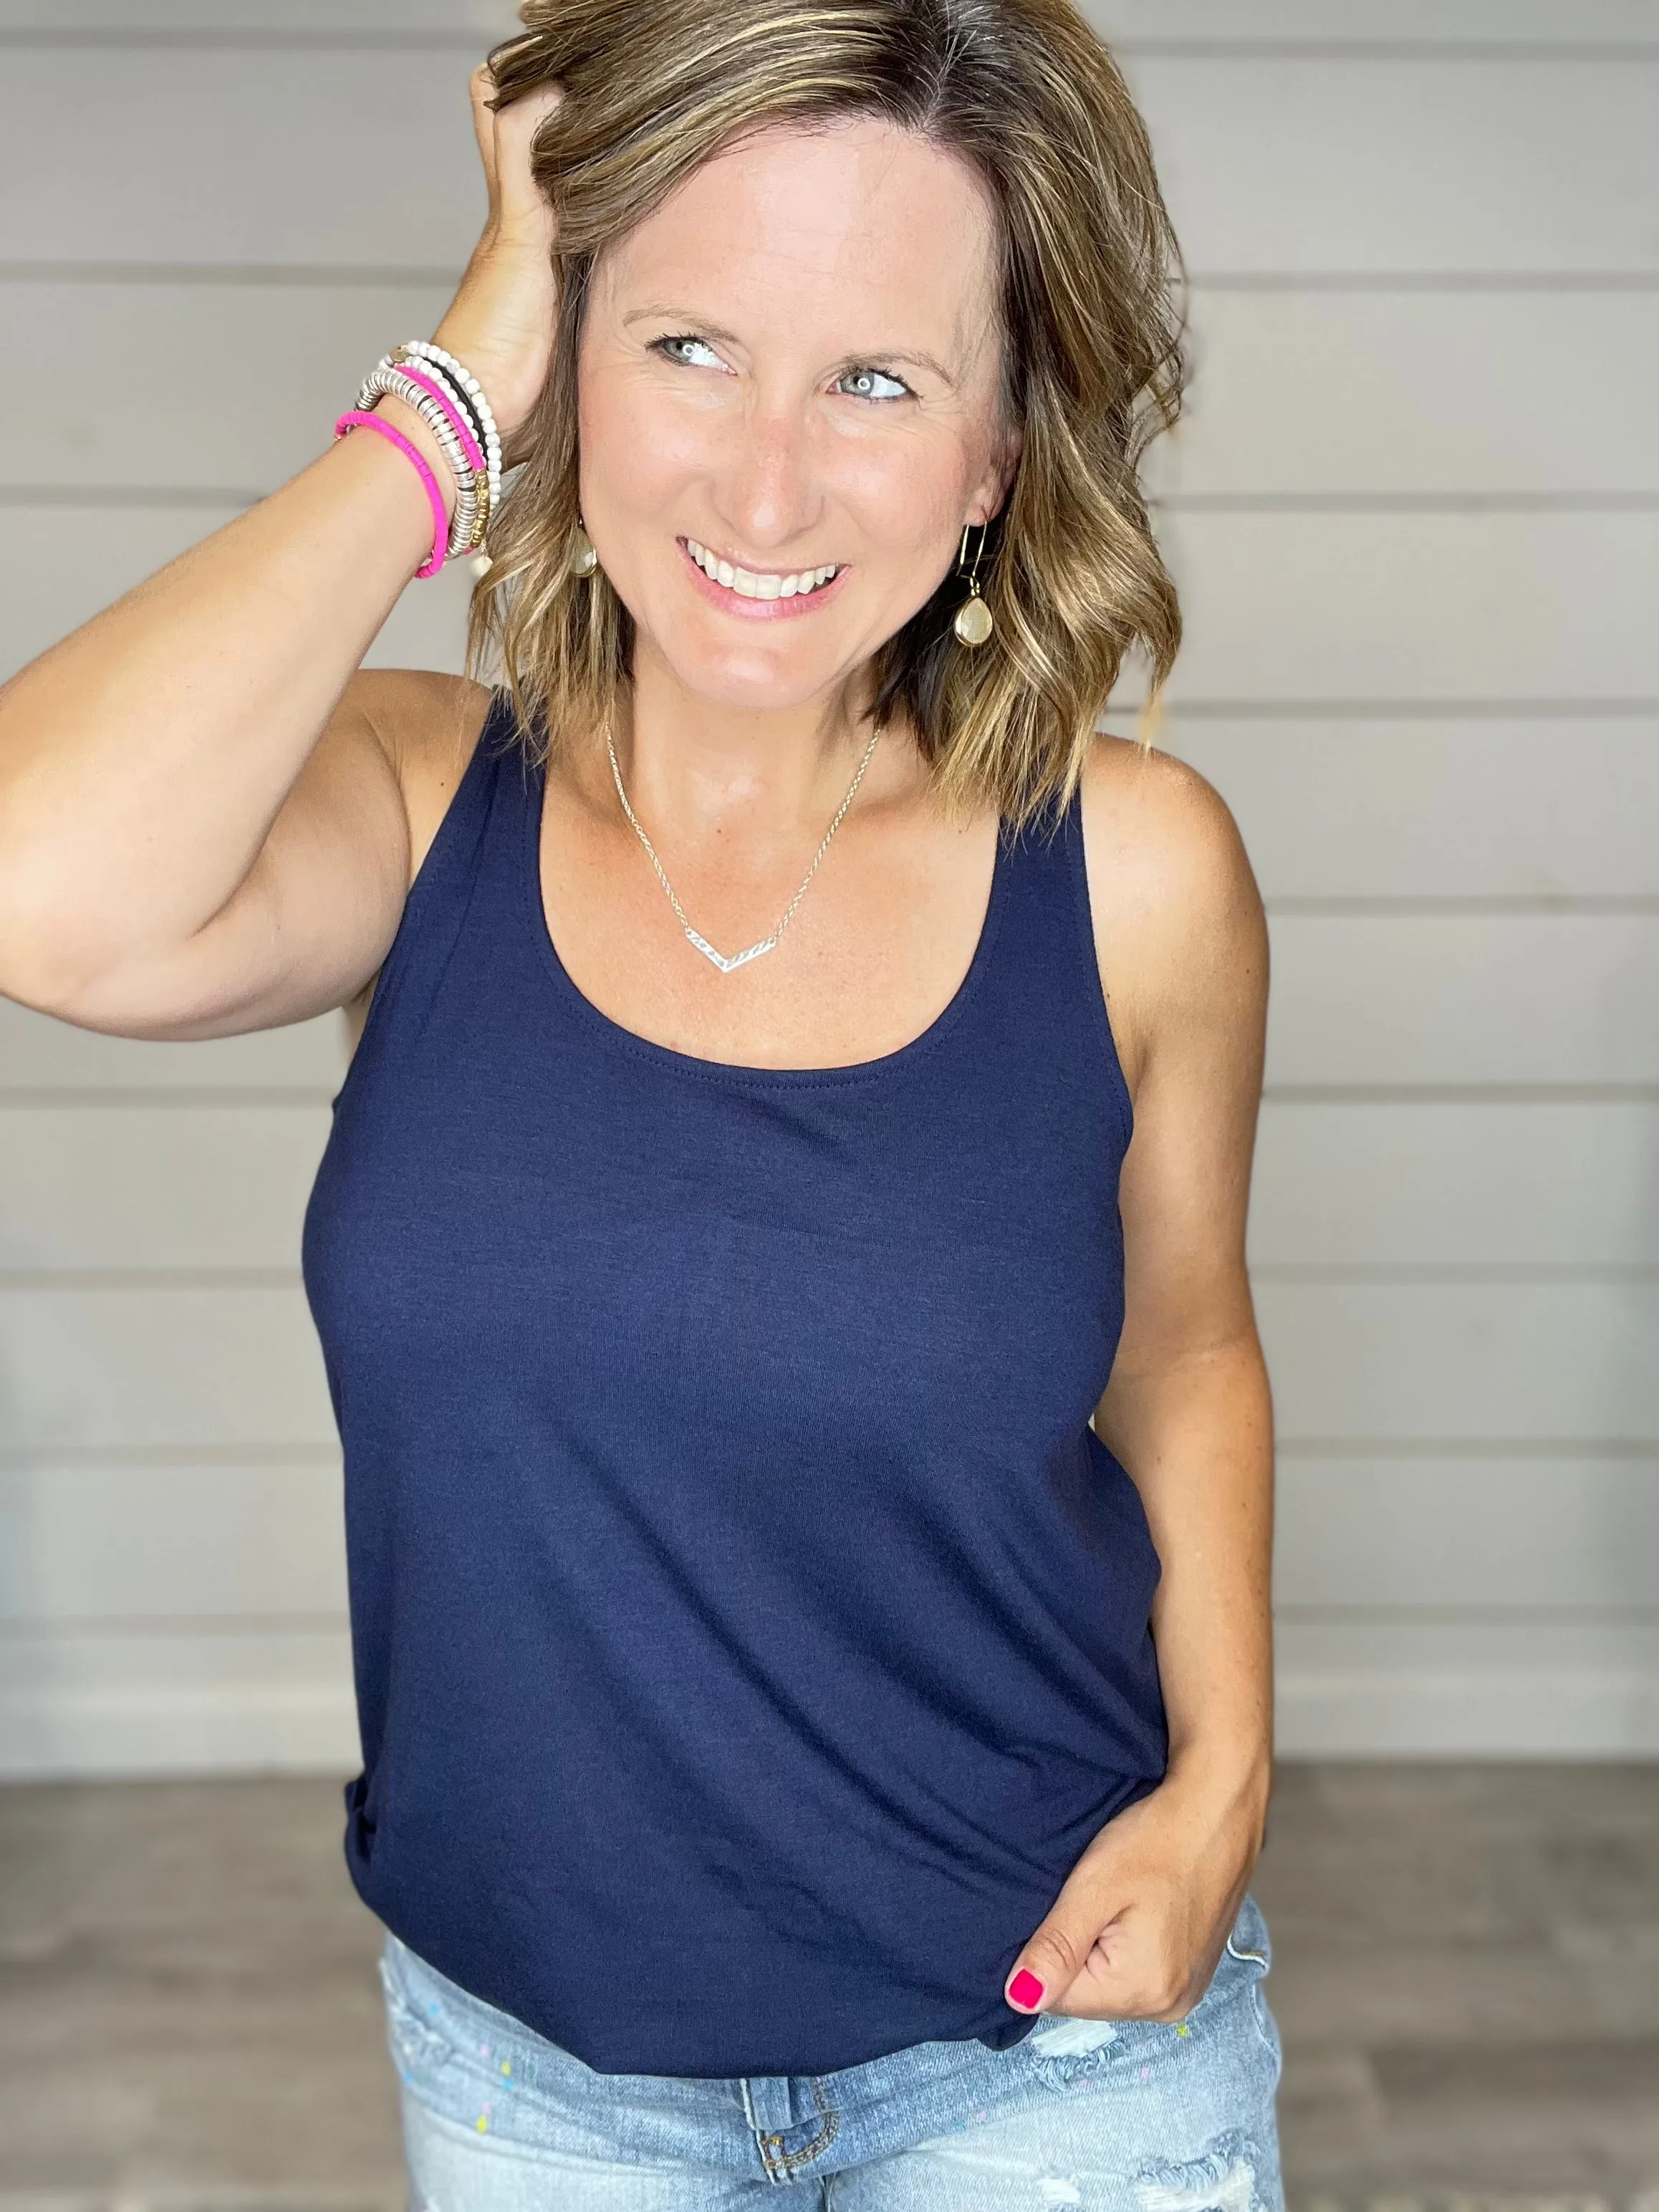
point(1066, 2049)
point(1226, 2178)
point(1064, 2032)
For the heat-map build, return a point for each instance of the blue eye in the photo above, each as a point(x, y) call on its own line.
point(864, 383)
point(666, 346)
point(866, 376)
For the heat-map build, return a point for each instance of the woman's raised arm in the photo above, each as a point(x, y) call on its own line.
point(203, 826)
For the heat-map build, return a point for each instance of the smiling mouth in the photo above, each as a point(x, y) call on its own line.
point(760, 584)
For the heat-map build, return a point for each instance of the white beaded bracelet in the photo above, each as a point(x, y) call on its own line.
point(449, 383)
point(424, 350)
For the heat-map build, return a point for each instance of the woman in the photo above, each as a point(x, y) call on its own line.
point(799, 1748)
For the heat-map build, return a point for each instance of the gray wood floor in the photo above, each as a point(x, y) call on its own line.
point(1467, 1975)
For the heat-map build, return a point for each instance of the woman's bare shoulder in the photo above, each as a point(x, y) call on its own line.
point(428, 723)
point(1178, 922)
point(1160, 837)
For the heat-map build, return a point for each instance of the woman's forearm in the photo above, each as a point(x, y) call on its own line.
point(1196, 1437)
point(144, 757)
point(1140, 1923)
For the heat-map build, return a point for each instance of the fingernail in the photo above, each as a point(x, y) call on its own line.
point(1025, 1990)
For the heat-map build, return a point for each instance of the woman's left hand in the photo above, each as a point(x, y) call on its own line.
point(1144, 1916)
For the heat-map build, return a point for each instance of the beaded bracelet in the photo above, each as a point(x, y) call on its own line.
point(433, 379)
point(466, 503)
point(359, 418)
point(459, 422)
point(474, 391)
point(447, 387)
point(451, 402)
point(450, 385)
point(436, 415)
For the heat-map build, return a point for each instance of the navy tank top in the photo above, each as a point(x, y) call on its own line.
point(749, 1630)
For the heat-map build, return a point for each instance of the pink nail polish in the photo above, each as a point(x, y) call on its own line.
point(1025, 1989)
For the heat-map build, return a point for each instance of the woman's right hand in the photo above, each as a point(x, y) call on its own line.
point(500, 322)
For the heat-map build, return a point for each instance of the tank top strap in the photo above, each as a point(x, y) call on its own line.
point(1043, 993)
point(496, 785)
point(1046, 898)
point(467, 878)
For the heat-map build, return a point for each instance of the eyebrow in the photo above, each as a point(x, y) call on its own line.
point(877, 357)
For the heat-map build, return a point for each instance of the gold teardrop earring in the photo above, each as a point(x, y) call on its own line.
point(974, 620)
point(583, 559)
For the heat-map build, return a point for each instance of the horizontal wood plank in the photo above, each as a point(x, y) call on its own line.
point(85, 1370)
point(232, 160)
point(1291, 165)
point(1550, 808)
point(107, 1542)
point(39, 1055)
point(1487, 1184)
point(114, 1702)
point(1374, 609)
point(1432, 1361)
point(196, 405)
point(1456, 394)
point(155, 1187)
point(1476, 1536)
point(1522, 1691)
point(1411, 1541)
point(1361, 22)
point(110, 1703)
point(1450, 998)
point(233, 19)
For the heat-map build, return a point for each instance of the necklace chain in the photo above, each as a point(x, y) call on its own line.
point(720, 960)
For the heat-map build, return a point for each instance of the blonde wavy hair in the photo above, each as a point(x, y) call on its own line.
point(1027, 94)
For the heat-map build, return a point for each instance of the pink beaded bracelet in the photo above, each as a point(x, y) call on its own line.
point(440, 512)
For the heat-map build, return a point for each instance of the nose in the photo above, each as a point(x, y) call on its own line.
point(767, 493)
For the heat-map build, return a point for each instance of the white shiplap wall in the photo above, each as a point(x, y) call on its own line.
point(1415, 511)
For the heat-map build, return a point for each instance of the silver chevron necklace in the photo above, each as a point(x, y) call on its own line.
point(724, 961)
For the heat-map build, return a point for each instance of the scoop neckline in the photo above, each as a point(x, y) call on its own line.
point(745, 1074)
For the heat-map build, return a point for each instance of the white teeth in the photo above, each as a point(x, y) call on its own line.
point(749, 586)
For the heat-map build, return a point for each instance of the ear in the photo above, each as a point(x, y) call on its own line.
point(991, 489)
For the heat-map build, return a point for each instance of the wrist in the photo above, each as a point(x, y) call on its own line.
point(510, 390)
point(1227, 1781)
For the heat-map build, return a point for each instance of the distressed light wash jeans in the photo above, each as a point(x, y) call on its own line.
point(1124, 2116)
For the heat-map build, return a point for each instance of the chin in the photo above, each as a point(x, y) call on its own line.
point(741, 676)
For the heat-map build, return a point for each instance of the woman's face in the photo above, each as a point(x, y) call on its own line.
point(792, 366)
